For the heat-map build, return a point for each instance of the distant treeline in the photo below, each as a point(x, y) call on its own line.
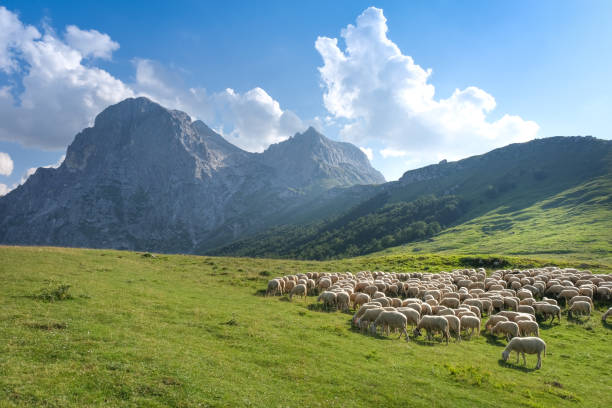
point(369, 227)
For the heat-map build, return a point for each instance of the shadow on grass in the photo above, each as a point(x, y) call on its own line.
point(577, 320)
point(606, 325)
point(513, 366)
point(494, 341)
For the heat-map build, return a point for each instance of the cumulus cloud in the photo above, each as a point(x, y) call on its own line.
point(368, 152)
point(4, 189)
point(251, 120)
point(58, 94)
point(90, 43)
point(6, 164)
point(381, 95)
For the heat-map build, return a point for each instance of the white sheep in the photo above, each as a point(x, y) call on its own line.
point(360, 300)
point(299, 290)
point(432, 324)
point(510, 329)
point(580, 307)
point(390, 320)
point(605, 315)
point(412, 315)
point(343, 300)
point(546, 309)
point(472, 323)
point(527, 328)
point(529, 345)
point(368, 317)
point(454, 325)
point(329, 300)
point(493, 320)
point(274, 286)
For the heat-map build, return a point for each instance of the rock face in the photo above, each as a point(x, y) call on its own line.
point(148, 178)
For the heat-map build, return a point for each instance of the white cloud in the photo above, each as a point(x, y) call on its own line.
point(251, 120)
point(382, 96)
point(90, 43)
point(6, 164)
point(60, 96)
point(4, 189)
point(387, 152)
point(368, 152)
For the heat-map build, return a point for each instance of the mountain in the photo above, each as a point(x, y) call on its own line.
point(148, 178)
point(545, 189)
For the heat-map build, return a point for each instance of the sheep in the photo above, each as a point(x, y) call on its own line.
point(472, 323)
point(343, 300)
point(454, 325)
point(362, 310)
point(493, 320)
point(369, 316)
point(579, 307)
point(274, 286)
point(550, 301)
point(329, 300)
point(299, 290)
point(581, 299)
point(391, 320)
point(605, 315)
point(360, 300)
point(526, 309)
point(510, 329)
point(412, 315)
point(529, 345)
point(433, 324)
point(527, 327)
point(450, 302)
point(546, 309)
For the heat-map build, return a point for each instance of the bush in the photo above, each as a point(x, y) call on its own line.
point(54, 292)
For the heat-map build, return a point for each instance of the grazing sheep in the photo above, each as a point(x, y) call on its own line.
point(368, 317)
point(526, 309)
point(390, 320)
point(454, 325)
point(472, 323)
point(493, 320)
point(511, 303)
point(546, 309)
point(527, 328)
point(580, 307)
point(605, 315)
point(433, 324)
point(274, 286)
point(362, 310)
point(360, 300)
point(510, 329)
point(329, 300)
point(342, 300)
point(299, 290)
point(450, 302)
point(529, 345)
point(581, 299)
point(412, 315)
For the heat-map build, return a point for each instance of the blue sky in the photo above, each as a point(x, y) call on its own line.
point(545, 65)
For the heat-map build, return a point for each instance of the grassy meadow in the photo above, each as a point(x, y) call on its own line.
point(190, 331)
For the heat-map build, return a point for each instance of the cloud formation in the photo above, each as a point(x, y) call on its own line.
point(6, 164)
point(383, 96)
point(58, 94)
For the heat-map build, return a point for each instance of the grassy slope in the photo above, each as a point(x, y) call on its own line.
point(192, 331)
point(575, 224)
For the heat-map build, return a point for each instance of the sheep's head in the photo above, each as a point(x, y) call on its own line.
point(505, 354)
point(416, 332)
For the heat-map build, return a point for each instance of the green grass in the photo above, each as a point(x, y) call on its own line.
point(190, 331)
point(575, 225)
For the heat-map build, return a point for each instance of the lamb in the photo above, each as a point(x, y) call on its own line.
point(546, 309)
point(510, 329)
point(605, 315)
point(391, 320)
point(454, 325)
point(579, 307)
point(493, 320)
point(433, 324)
point(299, 290)
point(472, 323)
point(527, 327)
point(529, 345)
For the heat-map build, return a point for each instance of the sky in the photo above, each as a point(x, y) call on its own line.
point(410, 83)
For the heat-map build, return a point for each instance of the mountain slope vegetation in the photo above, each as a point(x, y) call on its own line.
point(544, 187)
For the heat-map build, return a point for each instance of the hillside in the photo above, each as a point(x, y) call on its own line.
point(188, 331)
point(148, 178)
point(513, 195)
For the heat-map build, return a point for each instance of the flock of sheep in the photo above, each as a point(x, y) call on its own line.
point(455, 302)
